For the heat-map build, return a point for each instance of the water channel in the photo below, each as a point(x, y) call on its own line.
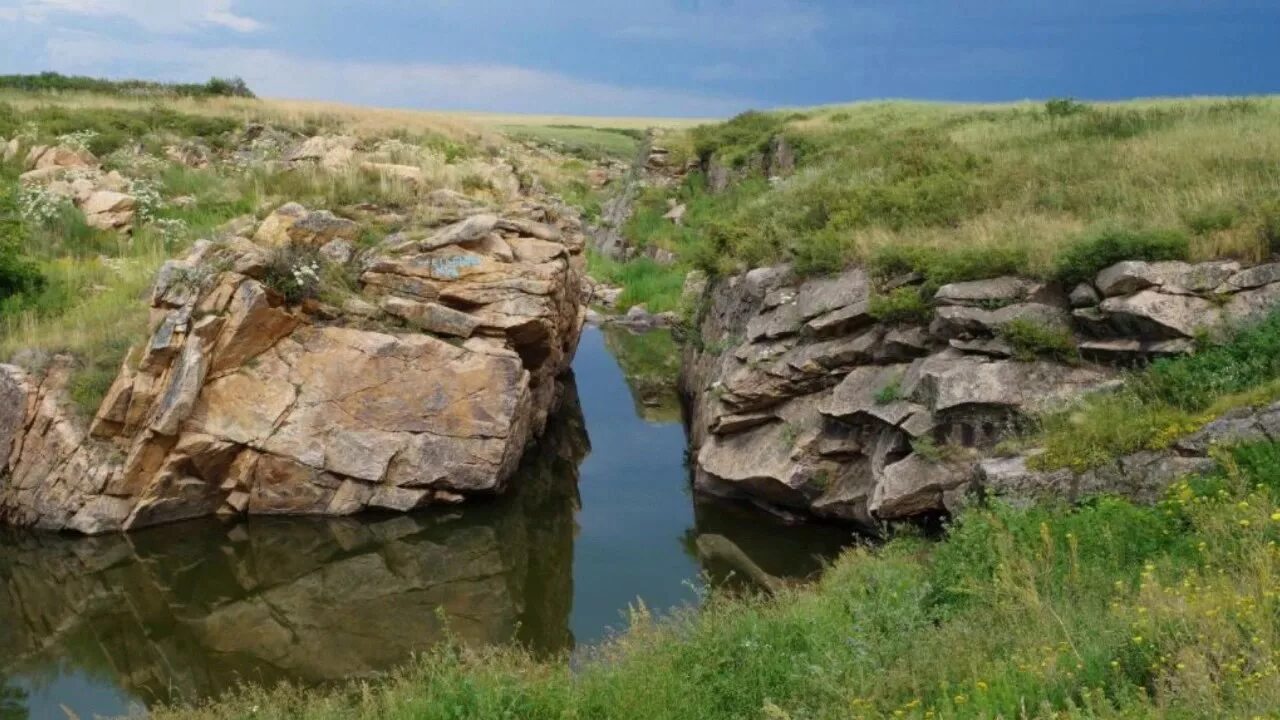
point(601, 516)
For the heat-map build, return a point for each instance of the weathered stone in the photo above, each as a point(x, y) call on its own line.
point(916, 486)
point(1152, 315)
point(1236, 428)
point(842, 321)
point(1254, 277)
point(16, 395)
point(338, 251)
point(472, 229)
point(274, 231)
point(1011, 480)
point(823, 295)
point(1173, 277)
point(963, 321)
point(1130, 276)
point(253, 326)
point(432, 317)
point(1084, 295)
point(102, 514)
point(319, 228)
point(1130, 351)
point(986, 293)
point(107, 210)
point(1252, 305)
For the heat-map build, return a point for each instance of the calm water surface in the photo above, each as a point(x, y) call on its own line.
point(601, 518)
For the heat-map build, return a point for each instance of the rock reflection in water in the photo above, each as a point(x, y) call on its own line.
point(187, 611)
point(740, 546)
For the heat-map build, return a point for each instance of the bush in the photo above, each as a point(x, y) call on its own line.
point(18, 276)
point(940, 266)
point(1210, 219)
point(1064, 107)
point(1030, 340)
point(56, 82)
point(1085, 258)
point(903, 305)
point(735, 141)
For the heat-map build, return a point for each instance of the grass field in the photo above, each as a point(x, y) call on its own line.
point(968, 191)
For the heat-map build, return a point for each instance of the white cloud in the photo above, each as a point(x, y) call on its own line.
point(159, 16)
point(488, 87)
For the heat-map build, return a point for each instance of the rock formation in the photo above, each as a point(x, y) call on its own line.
point(800, 399)
point(262, 390)
point(188, 612)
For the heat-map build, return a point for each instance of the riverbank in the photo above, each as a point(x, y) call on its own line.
point(1107, 610)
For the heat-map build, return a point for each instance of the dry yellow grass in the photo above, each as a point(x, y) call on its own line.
point(356, 119)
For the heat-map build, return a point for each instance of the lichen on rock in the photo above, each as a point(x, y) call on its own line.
point(428, 383)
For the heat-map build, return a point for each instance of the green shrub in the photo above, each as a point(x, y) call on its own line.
point(1064, 107)
point(1269, 225)
point(736, 140)
point(56, 82)
point(1030, 340)
point(890, 392)
point(1211, 218)
point(903, 305)
point(1085, 258)
point(940, 266)
point(18, 276)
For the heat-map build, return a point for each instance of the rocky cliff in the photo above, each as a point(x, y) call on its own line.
point(188, 612)
point(804, 397)
point(296, 373)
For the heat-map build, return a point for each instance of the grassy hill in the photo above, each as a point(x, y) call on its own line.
point(967, 191)
point(67, 287)
point(1105, 610)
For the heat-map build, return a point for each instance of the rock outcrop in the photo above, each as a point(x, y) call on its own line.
point(800, 399)
point(256, 394)
point(184, 613)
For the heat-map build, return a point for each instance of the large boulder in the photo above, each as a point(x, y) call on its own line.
point(431, 385)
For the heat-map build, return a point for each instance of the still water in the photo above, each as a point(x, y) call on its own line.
point(601, 517)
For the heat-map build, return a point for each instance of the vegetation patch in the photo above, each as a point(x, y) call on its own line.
point(1083, 260)
point(1169, 399)
point(902, 305)
point(1031, 340)
point(56, 82)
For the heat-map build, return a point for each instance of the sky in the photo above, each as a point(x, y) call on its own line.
point(690, 58)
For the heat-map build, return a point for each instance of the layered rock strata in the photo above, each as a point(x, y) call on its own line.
point(801, 400)
point(421, 386)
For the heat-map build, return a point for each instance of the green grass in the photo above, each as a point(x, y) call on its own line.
point(1108, 610)
point(589, 143)
point(645, 282)
point(1169, 399)
point(964, 192)
point(1031, 340)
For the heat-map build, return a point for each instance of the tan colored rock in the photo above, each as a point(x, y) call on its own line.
point(274, 231)
point(109, 210)
point(42, 157)
point(238, 406)
point(253, 326)
point(403, 173)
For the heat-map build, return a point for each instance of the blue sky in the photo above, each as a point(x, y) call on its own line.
point(664, 57)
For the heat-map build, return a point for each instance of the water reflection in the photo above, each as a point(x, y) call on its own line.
point(186, 611)
point(104, 625)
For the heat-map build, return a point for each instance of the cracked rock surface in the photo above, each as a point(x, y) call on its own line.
point(425, 385)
